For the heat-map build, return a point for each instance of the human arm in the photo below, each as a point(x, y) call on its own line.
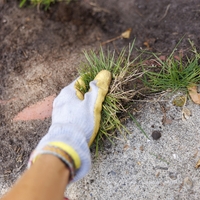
point(45, 180)
point(75, 123)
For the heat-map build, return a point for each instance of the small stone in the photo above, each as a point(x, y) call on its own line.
point(157, 174)
point(141, 148)
point(91, 181)
point(188, 183)
point(156, 135)
point(112, 173)
point(173, 175)
point(175, 156)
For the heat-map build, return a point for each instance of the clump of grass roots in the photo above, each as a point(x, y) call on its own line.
point(124, 71)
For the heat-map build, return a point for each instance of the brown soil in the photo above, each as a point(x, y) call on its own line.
point(40, 52)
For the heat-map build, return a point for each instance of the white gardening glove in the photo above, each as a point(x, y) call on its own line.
point(75, 122)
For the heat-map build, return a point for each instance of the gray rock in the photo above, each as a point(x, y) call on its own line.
point(173, 175)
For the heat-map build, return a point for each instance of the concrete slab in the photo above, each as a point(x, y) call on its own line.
point(141, 168)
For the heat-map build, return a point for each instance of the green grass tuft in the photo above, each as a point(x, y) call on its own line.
point(124, 72)
point(45, 3)
point(138, 125)
point(173, 74)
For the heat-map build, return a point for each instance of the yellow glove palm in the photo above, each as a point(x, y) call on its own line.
point(103, 79)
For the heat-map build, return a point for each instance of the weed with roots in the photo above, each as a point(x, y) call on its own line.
point(122, 89)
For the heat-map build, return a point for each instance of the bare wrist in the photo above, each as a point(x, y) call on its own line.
point(63, 156)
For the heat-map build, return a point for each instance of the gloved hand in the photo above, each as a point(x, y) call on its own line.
point(75, 122)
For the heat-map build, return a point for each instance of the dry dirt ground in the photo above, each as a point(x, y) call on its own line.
point(40, 52)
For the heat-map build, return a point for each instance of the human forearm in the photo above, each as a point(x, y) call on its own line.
point(46, 179)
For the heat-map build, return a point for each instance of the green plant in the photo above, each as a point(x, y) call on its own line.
point(138, 125)
point(45, 3)
point(173, 74)
point(122, 89)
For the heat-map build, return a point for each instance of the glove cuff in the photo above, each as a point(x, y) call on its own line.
point(72, 142)
point(70, 151)
point(57, 150)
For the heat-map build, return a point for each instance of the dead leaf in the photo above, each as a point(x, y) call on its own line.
point(127, 33)
point(126, 147)
point(166, 121)
point(186, 113)
point(194, 94)
point(180, 56)
point(147, 45)
point(163, 58)
point(196, 153)
point(139, 163)
point(40, 110)
point(179, 101)
point(198, 164)
point(177, 58)
point(149, 42)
